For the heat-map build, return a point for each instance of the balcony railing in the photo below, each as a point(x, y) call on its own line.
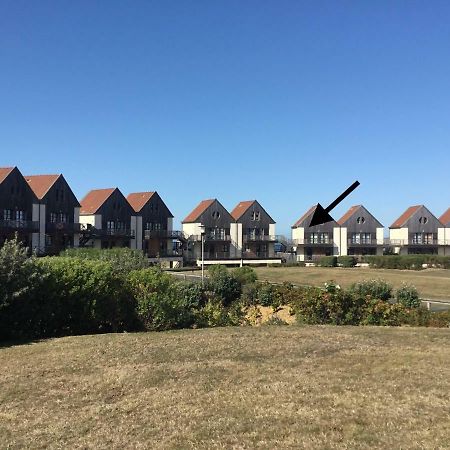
point(19, 225)
point(422, 242)
point(62, 227)
point(165, 234)
point(365, 242)
point(259, 238)
point(211, 238)
point(216, 255)
point(97, 233)
point(309, 241)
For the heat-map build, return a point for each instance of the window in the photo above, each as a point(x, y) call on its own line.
point(110, 225)
point(360, 220)
point(428, 238)
point(6, 214)
point(423, 220)
point(417, 238)
point(256, 215)
point(53, 217)
point(20, 215)
point(62, 218)
point(319, 238)
point(356, 238)
point(157, 226)
point(366, 238)
point(216, 215)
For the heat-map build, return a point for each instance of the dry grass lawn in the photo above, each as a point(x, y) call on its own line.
point(249, 387)
point(431, 283)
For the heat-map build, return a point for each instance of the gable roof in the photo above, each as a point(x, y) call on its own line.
point(198, 210)
point(307, 213)
point(94, 199)
point(40, 184)
point(445, 218)
point(4, 172)
point(138, 200)
point(353, 211)
point(241, 208)
point(405, 216)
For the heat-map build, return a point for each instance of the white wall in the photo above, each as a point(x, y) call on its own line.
point(192, 229)
point(76, 219)
point(235, 234)
point(92, 219)
point(38, 239)
point(298, 235)
point(340, 241)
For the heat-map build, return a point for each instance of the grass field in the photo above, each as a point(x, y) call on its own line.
point(431, 283)
point(267, 387)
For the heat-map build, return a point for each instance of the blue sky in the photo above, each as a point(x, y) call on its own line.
point(287, 102)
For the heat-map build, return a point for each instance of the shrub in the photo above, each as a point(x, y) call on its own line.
point(249, 294)
point(377, 289)
point(224, 285)
point(337, 306)
point(328, 261)
point(347, 261)
point(215, 314)
point(412, 262)
point(163, 304)
point(245, 275)
point(83, 296)
point(268, 295)
point(439, 319)
point(123, 260)
point(417, 317)
point(383, 313)
point(408, 296)
point(21, 281)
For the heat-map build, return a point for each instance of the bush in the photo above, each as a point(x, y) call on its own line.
point(377, 289)
point(163, 304)
point(411, 262)
point(335, 306)
point(215, 314)
point(83, 296)
point(123, 260)
point(21, 281)
point(408, 296)
point(328, 261)
point(383, 313)
point(418, 317)
point(347, 261)
point(249, 296)
point(268, 295)
point(224, 285)
point(245, 275)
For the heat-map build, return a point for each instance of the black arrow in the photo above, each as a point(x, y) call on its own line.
point(321, 214)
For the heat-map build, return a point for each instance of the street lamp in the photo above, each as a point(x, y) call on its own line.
point(202, 233)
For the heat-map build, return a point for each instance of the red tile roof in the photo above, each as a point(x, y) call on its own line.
point(199, 210)
point(138, 200)
point(40, 184)
point(4, 172)
point(445, 218)
point(94, 199)
point(405, 216)
point(241, 208)
point(307, 213)
point(348, 214)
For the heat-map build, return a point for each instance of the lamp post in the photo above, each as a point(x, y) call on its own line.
point(202, 233)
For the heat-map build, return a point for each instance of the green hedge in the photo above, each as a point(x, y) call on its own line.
point(328, 261)
point(347, 261)
point(412, 262)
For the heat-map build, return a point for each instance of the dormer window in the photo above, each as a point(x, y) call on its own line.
point(360, 220)
point(256, 215)
point(216, 215)
point(423, 220)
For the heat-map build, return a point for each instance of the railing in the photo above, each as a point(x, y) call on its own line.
point(216, 255)
point(259, 238)
point(24, 225)
point(62, 227)
point(165, 234)
point(423, 242)
point(165, 254)
point(309, 241)
point(211, 237)
point(96, 233)
point(255, 255)
point(364, 242)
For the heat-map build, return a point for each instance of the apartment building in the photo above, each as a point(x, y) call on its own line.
point(253, 233)
point(364, 233)
point(312, 243)
point(60, 210)
point(155, 229)
point(108, 220)
point(444, 234)
point(415, 232)
point(211, 221)
point(20, 212)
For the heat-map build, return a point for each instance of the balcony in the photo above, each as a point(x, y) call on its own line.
point(259, 238)
point(365, 242)
point(314, 242)
point(19, 225)
point(211, 238)
point(62, 227)
point(165, 234)
point(415, 242)
point(97, 233)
